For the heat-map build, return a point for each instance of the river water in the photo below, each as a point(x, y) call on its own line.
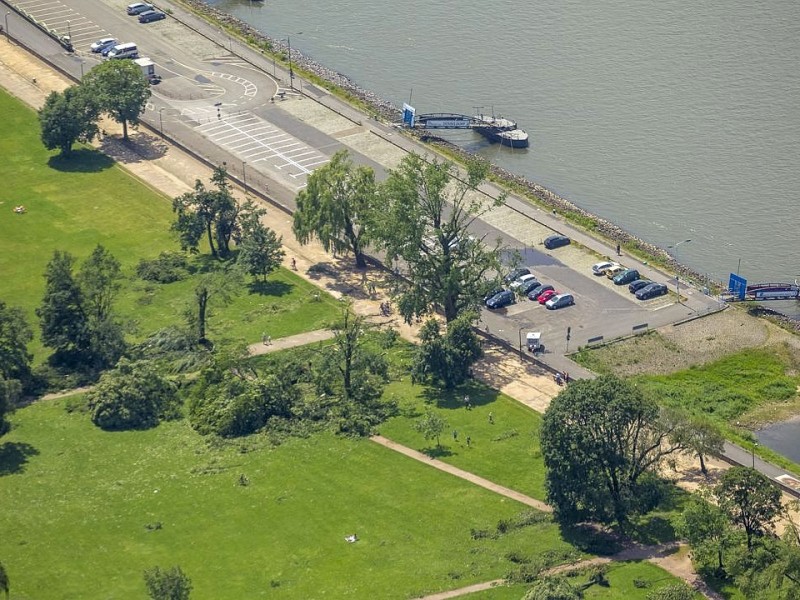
point(674, 119)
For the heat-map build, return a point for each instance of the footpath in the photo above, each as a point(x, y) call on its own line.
point(173, 172)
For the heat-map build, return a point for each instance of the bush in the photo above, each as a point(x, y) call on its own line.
point(131, 396)
point(167, 268)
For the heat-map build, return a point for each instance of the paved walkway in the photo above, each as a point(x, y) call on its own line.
point(292, 341)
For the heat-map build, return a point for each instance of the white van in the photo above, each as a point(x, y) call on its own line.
point(128, 50)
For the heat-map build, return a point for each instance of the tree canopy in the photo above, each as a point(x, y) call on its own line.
point(120, 89)
point(446, 360)
point(15, 335)
point(260, 248)
point(167, 584)
point(68, 117)
point(749, 499)
point(602, 442)
point(427, 211)
point(337, 207)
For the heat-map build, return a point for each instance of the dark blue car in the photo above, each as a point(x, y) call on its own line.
point(502, 299)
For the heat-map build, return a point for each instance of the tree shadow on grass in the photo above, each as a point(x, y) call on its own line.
point(82, 160)
point(479, 395)
point(13, 456)
point(269, 288)
point(437, 452)
point(592, 539)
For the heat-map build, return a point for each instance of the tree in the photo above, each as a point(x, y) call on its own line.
point(553, 588)
point(676, 591)
point(131, 396)
point(169, 584)
point(15, 334)
point(62, 315)
point(431, 426)
point(707, 529)
point(703, 437)
point(120, 89)
point(750, 501)
point(260, 250)
point(446, 360)
point(5, 584)
point(337, 206)
point(67, 118)
point(98, 279)
point(210, 211)
point(602, 441)
point(353, 373)
point(425, 225)
point(220, 285)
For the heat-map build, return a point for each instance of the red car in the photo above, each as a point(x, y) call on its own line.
point(546, 296)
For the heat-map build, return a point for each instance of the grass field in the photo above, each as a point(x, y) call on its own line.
point(75, 205)
point(505, 451)
point(77, 502)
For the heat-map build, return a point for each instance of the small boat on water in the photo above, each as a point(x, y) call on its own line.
point(500, 130)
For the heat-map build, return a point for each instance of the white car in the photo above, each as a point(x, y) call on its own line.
point(101, 45)
point(522, 279)
point(601, 267)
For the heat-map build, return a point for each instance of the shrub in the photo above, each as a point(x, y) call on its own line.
point(131, 396)
point(166, 268)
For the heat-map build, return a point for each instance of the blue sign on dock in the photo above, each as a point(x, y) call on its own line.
point(737, 286)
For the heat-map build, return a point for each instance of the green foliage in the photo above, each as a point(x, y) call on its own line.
point(749, 499)
point(15, 335)
point(131, 396)
point(707, 529)
point(677, 591)
point(68, 117)
point(428, 211)
point(600, 440)
point(5, 583)
point(431, 426)
point(338, 207)
point(260, 248)
point(553, 588)
point(219, 285)
point(447, 360)
point(167, 584)
point(229, 400)
point(168, 267)
point(120, 89)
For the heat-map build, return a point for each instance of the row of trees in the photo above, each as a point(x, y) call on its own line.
point(420, 217)
point(115, 87)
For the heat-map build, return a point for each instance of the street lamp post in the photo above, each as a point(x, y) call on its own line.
point(161, 120)
point(678, 268)
point(520, 340)
point(7, 13)
point(244, 175)
point(291, 72)
point(753, 454)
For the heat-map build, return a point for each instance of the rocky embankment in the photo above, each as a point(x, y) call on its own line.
point(390, 113)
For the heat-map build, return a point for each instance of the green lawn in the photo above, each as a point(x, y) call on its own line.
point(75, 205)
point(505, 451)
point(77, 500)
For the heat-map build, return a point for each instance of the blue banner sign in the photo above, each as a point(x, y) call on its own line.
point(737, 286)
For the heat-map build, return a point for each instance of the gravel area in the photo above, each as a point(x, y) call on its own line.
point(677, 347)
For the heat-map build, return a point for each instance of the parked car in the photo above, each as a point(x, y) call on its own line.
point(612, 272)
point(149, 16)
point(556, 241)
point(529, 285)
point(539, 290)
point(651, 291)
point(101, 45)
point(601, 267)
point(523, 279)
point(559, 301)
point(626, 277)
point(138, 8)
point(516, 274)
point(492, 293)
point(545, 296)
point(502, 299)
point(635, 286)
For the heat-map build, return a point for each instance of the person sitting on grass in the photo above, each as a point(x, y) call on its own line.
point(351, 538)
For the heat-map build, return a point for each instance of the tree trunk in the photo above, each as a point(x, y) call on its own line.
point(703, 468)
point(361, 262)
point(211, 240)
point(202, 305)
point(125, 129)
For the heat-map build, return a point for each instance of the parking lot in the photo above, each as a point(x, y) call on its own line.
point(66, 21)
point(255, 140)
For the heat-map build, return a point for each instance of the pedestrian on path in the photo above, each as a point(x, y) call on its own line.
point(266, 339)
point(294, 264)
